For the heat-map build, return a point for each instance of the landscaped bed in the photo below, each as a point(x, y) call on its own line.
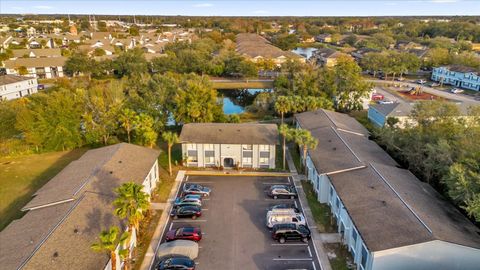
point(420, 96)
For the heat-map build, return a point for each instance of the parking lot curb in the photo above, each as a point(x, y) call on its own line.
point(149, 258)
point(235, 173)
point(316, 237)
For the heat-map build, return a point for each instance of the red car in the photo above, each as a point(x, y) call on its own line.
point(376, 97)
point(185, 233)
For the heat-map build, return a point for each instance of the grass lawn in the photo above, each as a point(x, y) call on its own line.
point(22, 176)
point(295, 152)
point(362, 117)
point(343, 258)
point(146, 233)
point(321, 212)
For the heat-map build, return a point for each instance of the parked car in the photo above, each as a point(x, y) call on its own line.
point(282, 191)
point(456, 91)
point(284, 218)
point(184, 233)
point(186, 211)
point(290, 232)
point(400, 79)
point(176, 262)
point(421, 81)
point(196, 189)
point(191, 196)
point(434, 84)
point(376, 97)
point(284, 206)
point(181, 201)
point(40, 87)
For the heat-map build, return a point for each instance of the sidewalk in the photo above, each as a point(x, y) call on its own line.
point(149, 259)
point(316, 236)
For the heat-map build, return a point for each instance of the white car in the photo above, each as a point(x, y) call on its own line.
point(421, 81)
point(456, 91)
point(385, 102)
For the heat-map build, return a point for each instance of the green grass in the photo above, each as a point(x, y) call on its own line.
point(343, 258)
point(21, 176)
point(321, 211)
point(362, 117)
point(147, 230)
point(295, 152)
point(279, 158)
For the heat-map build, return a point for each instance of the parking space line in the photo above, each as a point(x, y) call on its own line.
point(309, 252)
point(296, 205)
point(171, 224)
point(292, 259)
point(314, 267)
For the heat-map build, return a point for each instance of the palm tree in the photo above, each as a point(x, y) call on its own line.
point(171, 138)
point(286, 133)
point(283, 105)
point(306, 141)
point(131, 203)
point(128, 118)
point(109, 240)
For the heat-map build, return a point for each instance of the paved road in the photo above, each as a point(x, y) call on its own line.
point(444, 94)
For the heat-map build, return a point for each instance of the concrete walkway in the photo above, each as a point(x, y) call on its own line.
point(331, 237)
point(316, 236)
point(149, 258)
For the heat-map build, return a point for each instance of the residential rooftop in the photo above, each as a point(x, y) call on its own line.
point(9, 79)
point(225, 133)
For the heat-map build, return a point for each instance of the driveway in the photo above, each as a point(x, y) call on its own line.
point(234, 232)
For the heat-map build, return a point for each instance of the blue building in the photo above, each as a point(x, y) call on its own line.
point(378, 114)
point(458, 76)
point(388, 219)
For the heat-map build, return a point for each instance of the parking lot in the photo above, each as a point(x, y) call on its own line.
point(233, 225)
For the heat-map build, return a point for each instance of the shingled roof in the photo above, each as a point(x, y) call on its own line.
point(254, 45)
point(8, 79)
point(229, 133)
point(389, 206)
point(67, 214)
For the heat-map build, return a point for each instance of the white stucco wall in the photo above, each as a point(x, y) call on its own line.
point(437, 255)
point(18, 89)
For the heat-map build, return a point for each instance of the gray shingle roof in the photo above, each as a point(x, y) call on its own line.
point(393, 109)
point(59, 236)
point(8, 79)
point(389, 206)
point(229, 133)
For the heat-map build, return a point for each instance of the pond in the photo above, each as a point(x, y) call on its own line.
point(235, 101)
point(305, 52)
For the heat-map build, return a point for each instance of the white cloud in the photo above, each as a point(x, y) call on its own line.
point(43, 7)
point(444, 1)
point(202, 5)
point(260, 11)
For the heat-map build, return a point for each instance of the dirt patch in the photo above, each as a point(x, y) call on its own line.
point(420, 96)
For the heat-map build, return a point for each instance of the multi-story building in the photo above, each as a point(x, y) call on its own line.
point(48, 67)
point(229, 145)
point(459, 76)
point(386, 217)
point(13, 86)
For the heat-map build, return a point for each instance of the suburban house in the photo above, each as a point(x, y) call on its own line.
point(256, 48)
point(378, 114)
point(66, 215)
point(13, 86)
point(323, 38)
point(387, 218)
point(327, 57)
point(48, 67)
point(459, 76)
point(229, 145)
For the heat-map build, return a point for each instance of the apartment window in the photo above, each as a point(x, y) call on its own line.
point(264, 148)
point(364, 259)
point(247, 147)
point(192, 156)
point(247, 160)
point(209, 160)
point(263, 160)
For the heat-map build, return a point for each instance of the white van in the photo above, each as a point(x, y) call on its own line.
point(283, 218)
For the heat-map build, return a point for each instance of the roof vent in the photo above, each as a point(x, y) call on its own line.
point(334, 149)
point(111, 172)
point(119, 161)
point(55, 254)
point(75, 230)
point(384, 203)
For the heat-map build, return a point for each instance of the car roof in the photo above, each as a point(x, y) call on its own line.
point(193, 207)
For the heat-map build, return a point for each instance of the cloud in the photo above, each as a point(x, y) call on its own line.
point(43, 7)
point(202, 5)
point(444, 1)
point(260, 11)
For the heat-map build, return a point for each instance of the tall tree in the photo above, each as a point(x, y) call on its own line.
point(145, 132)
point(108, 242)
point(171, 138)
point(128, 119)
point(79, 63)
point(286, 133)
point(131, 204)
point(304, 139)
point(283, 105)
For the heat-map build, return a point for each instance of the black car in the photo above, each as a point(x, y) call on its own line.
point(282, 191)
point(176, 262)
point(290, 232)
point(186, 211)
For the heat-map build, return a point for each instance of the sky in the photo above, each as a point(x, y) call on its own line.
point(245, 8)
